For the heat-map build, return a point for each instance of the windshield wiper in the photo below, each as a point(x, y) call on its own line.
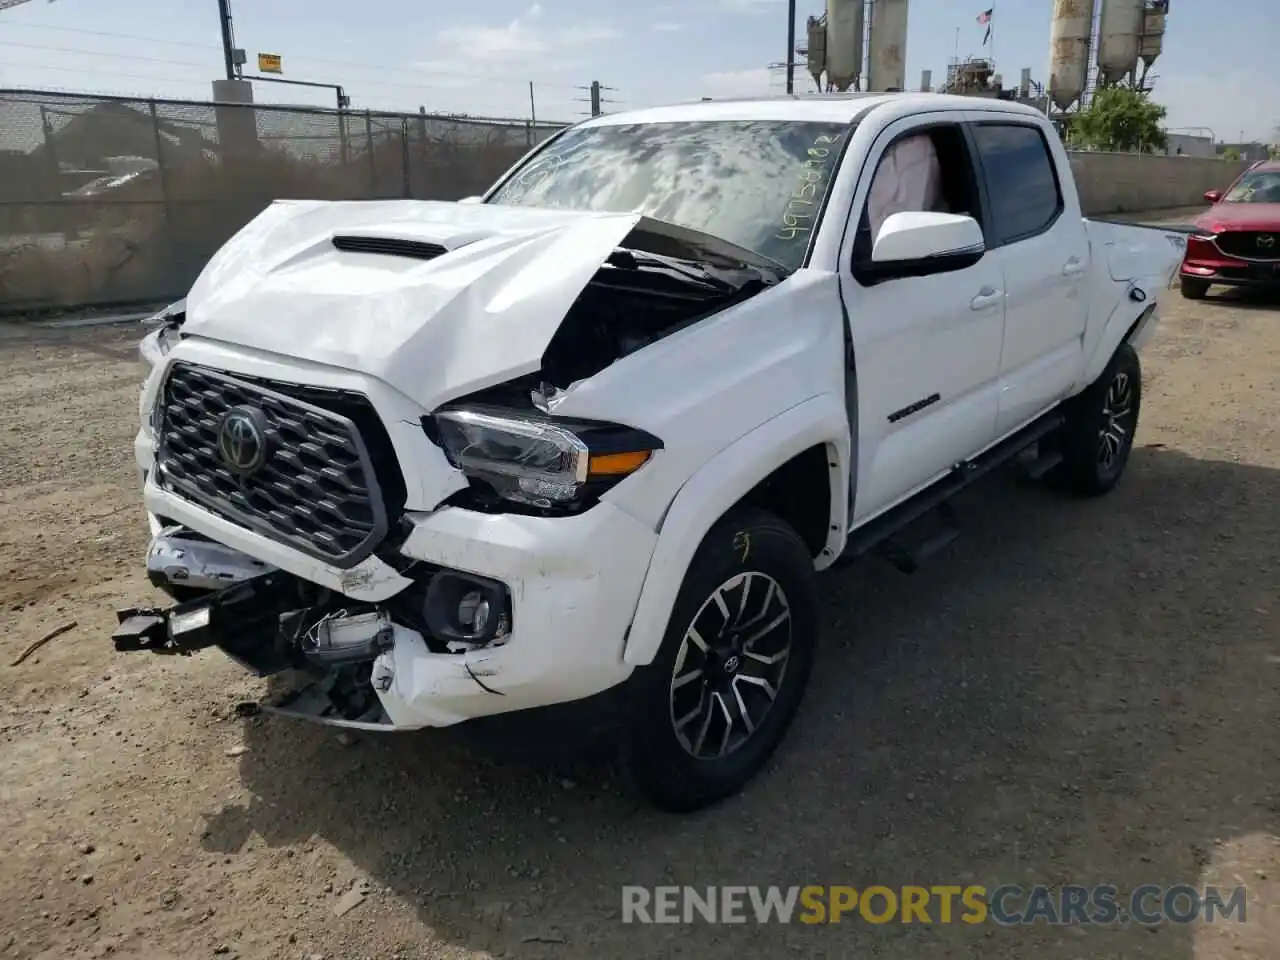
point(696, 274)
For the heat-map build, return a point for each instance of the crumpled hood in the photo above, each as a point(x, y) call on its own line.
point(434, 329)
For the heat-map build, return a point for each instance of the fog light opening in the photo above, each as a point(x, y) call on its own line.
point(466, 611)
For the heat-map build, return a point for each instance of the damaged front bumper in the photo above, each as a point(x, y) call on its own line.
point(497, 613)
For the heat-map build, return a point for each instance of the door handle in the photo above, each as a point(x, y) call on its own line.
point(987, 297)
point(1073, 268)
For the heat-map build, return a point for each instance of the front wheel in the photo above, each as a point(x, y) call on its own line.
point(724, 688)
point(1097, 438)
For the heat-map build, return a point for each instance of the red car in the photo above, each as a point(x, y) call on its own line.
point(1237, 241)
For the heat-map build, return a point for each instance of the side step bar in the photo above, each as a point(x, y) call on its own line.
point(878, 534)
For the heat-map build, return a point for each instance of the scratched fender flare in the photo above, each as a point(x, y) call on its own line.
point(735, 660)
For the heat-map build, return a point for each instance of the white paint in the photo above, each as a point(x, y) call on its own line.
point(732, 397)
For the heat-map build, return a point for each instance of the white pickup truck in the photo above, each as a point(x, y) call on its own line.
point(585, 441)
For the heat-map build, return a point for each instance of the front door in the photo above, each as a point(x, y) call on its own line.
point(926, 348)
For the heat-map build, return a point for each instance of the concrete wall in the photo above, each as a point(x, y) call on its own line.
point(1128, 182)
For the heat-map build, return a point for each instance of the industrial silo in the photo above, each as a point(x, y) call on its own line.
point(888, 47)
point(1069, 50)
point(817, 48)
point(1119, 39)
point(844, 43)
point(1153, 32)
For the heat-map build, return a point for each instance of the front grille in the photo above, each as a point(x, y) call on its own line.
point(318, 489)
point(1250, 244)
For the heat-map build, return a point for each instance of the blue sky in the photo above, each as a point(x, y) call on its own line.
point(1218, 69)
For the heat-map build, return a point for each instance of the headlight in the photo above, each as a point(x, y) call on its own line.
point(526, 458)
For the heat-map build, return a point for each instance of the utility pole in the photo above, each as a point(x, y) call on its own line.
point(596, 99)
point(791, 47)
point(228, 39)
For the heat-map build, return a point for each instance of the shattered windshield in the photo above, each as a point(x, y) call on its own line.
point(755, 183)
point(1260, 187)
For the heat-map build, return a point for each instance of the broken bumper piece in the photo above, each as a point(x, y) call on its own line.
point(258, 622)
point(179, 557)
point(499, 615)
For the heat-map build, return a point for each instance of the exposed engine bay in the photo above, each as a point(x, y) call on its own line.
point(636, 298)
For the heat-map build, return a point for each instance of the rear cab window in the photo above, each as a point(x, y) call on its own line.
point(1024, 195)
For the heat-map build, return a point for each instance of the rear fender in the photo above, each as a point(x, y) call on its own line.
point(722, 482)
point(1134, 319)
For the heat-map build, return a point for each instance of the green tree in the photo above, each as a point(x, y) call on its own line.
point(1120, 118)
point(1231, 155)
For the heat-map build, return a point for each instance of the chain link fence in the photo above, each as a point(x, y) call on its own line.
point(108, 201)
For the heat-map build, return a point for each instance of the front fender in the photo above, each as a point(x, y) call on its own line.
point(722, 482)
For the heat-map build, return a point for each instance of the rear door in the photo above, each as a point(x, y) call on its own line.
point(926, 348)
point(1037, 238)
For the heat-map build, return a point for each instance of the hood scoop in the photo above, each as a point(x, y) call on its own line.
point(389, 247)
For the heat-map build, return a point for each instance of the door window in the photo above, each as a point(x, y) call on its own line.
point(1022, 185)
point(927, 169)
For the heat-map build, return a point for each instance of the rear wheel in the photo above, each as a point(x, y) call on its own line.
point(1097, 438)
point(1194, 289)
point(713, 706)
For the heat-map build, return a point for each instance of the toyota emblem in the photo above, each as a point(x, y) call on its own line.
point(242, 440)
point(1266, 241)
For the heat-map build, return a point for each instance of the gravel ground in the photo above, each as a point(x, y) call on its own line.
point(1076, 692)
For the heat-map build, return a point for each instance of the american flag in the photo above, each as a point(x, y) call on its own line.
point(986, 17)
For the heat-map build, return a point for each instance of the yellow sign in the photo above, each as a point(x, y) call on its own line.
point(269, 63)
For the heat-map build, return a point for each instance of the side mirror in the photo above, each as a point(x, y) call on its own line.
point(471, 200)
point(1212, 196)
point(920, 243)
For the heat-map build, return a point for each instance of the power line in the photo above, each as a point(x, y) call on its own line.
point(417, 87)
point(362, 65)
point(491, 107)
point(99, 53)
point(107, 33)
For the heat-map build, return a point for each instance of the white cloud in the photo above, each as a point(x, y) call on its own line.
point(739, 83)
point(667, 26)
point(524, 38)
point(1215, 101)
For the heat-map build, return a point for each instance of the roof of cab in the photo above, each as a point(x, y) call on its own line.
point(830, 108)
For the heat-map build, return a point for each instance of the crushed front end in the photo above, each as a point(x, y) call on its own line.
point(284, 526)
point(355, 472)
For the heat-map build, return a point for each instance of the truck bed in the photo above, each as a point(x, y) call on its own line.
point(1134, 250)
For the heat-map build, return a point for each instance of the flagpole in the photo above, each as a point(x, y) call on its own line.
point(991, 25)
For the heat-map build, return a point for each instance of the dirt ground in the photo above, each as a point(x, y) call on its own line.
point(1077, 692)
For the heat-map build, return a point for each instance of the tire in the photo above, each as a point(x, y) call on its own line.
point(667, 761)
point(1097, 438)
point(1194, 289)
